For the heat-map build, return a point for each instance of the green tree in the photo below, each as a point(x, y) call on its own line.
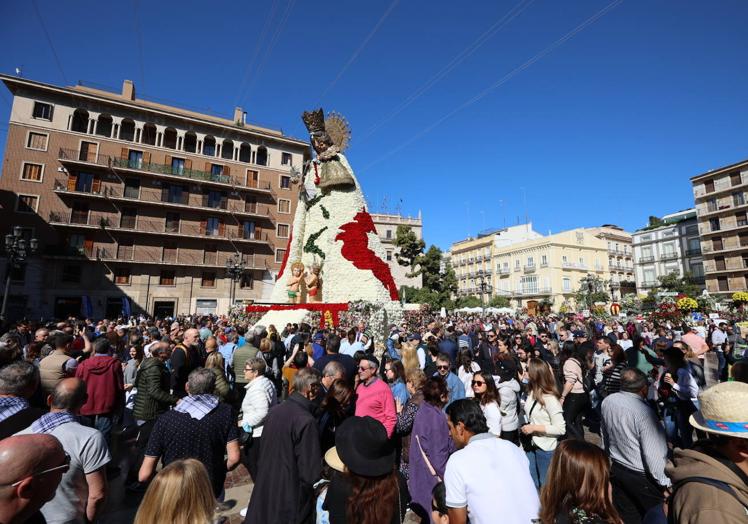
point(438, 284)
point(410, 248)
point(499, 301)
point(685, 285)
point(469, 301)
point(591, 290)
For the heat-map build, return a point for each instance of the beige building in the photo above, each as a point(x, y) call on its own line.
point(386, 225)
point(620, 259)
point(135, 199)
point(721, 206)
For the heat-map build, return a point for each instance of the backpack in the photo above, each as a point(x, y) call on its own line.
point(697, 372)
point(660, 515)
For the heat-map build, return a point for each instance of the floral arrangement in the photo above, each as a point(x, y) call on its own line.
point(667, 311)
point(687, 304)
point(740, 297)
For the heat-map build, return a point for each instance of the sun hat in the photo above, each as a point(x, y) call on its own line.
point(362, 447)
point(724, 410)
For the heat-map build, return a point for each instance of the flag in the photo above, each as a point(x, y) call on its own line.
point(126, 312)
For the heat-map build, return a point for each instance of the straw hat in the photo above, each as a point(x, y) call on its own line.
point(724, 410)
point(362, 447)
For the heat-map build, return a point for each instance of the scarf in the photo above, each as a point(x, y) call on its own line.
point(9, 406)
point(50, 421)
point(197, 406)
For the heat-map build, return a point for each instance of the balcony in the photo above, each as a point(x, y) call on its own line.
point(96, 220)
point(76, 157)
point(503, 271)
point(534, 292)
point(649, 283)
point(669, 256)
point(530, 268)
point(646, 260)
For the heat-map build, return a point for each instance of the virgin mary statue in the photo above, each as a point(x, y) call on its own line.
point(332, 232)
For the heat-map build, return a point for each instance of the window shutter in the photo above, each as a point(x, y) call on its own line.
point(96, 186)
point(72, 180)
point(124, 153)
point(207, 167)
point(146, 158)
point(224, 200)
point(226, 170)
point(167, 160)
point(221, 228)
point(188, 164)
point(257, 233)
point(88, 247)
point(203, 226)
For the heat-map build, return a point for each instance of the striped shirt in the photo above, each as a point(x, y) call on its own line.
point(633, 436)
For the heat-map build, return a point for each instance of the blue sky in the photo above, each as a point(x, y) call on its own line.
point(606, 126)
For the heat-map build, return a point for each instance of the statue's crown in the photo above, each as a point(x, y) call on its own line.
point(314, 121)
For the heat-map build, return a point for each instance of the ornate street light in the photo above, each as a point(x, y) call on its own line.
point(484, 286)
point(16, 252)
point(235, 267)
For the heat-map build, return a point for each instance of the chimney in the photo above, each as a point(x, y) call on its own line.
point(128, 90)
point(239, 116)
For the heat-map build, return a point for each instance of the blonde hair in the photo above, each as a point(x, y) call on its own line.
point(410, 357)
point(415, 377)
point(215, 360)
point(181, 493)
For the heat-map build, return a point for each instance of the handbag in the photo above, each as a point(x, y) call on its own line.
point(526, 440)
point(427, 461)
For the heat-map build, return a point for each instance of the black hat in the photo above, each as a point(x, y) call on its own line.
point(361, 444)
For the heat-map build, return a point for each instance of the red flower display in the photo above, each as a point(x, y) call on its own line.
point(285, 256)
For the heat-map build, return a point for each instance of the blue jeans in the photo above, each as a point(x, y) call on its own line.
point(539, 462)
point(103, 423)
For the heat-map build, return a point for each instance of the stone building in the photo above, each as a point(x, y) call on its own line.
point(386, 225)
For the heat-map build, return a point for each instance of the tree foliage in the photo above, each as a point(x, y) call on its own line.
point(591, 290)
point(438, 284)
point(499, 301)
point(468, 301)
point(682, 285)
point(410, 249)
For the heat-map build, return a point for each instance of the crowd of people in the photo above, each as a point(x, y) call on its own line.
point(463, 418)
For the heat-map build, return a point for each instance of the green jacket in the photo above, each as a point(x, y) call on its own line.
point(223, 390)
point(153, 397)
point(241, 355)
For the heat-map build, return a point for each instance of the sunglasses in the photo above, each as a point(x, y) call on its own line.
point(442, 367)
point(64, 467)
point(361, 368)
point(477, 383)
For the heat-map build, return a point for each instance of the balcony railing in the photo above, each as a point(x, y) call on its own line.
point(668, 256)
point(646, 260)
point(530, 268)
point(534, 292)
point(503, 271)
point(649, 283)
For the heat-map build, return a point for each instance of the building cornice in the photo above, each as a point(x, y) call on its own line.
point(718, 171)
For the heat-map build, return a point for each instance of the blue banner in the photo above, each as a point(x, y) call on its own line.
point(87, 307)
point(126, 312)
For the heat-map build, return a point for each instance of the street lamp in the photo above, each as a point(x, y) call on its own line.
point(16, 252)
point(235, 267)
point(484, 286)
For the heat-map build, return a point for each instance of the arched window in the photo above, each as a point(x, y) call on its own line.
point(209, 146)
point(104, 125)
point(80, 121)
point(262, 156)
point(127, 130)
point(190, 142)
point(245, 152)
point(227, 151)
point(170, 138)
point(149, 135)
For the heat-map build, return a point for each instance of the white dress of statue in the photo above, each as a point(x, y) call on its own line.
point(333, 230)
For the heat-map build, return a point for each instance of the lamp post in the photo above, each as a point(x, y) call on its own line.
point(485, 287)
point(235, 267)
point(16, 252)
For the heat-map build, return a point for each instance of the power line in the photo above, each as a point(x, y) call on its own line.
point(499, 82)
point(49, 41)
point(457, 60)
point(256, 52)
point(360, 48)
point(139, 38)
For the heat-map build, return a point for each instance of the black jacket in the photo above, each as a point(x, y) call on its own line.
point(152, 382)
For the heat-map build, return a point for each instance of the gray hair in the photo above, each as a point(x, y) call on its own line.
point(333, 368)
point(63, 397)
point(304, 380)
point(201, 381)
point(159, 348)
point(257, 364)
point(633, 380)
point(18, 379)
point(101, 345)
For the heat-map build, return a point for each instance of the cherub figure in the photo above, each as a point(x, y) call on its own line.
point(294, 283)
point(314, 284)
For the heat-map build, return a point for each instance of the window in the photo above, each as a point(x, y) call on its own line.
point(84, 182)
point(286, 159)
point(128, 218)
point(247, 280)
point(132, 188)
point(32, 172)
point(279, 254)
point(248, 230)
point(530, 262)
point(216, 169)
point(649, 276)
point(177, 166)
point(285, 182)
point(581, 261)
point(564, 260)
point(27, 203)
point(282, 231)
point(125, 249)
point(37, 141)
point(714, 224)
point(738, 199)
point(740, 219)
point(735, 179)
point(388, 234)
point(212, 226)
point(389, 255)
point(210, 255)
point(709, 186)
point(719, 263)
point(215, 200)
point(692, 230)
point(516, 264)
point(167, 277)
point(722, 284)
point(253, 178)
point(544, 260)
point(694, 246)
point(135, 159)
point(175, 194)
point(284, 206)
point(172, 223)
point(566, 282)
point(208, 279)
point(250, 204)
point(711, 205)
point(42, 110)
point(122, 275)
point(71, 273)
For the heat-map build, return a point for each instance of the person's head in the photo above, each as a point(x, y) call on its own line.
point(41, 335)
point(161, 351)
point(180, 493)
point(69, 395)
point(394, 371)
point(253, 368)
point(443, 364)
point(191, 337)
point(634, 380)
point(367, 368)
point(332, 346)
point(435, 391)
point(465, 419)
point(306, 383)
point(102, 346)
point(578, 477)
point(211, 344)
point(19, 379)
point(266, 345)
point(332, 371)
point(338, 399)
point(541, 379)
point(31, 467)
point(439, 509)
point(136, 353)
point(300, 359)
point(351, 335)
point(484, 387)
point(740, 371)
point(414, 380)
point(674, 359)
point(722, 326)
point(617, 355)
point(201, 381)
point(63, 341)
point(215, 360)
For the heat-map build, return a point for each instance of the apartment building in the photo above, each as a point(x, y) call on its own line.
point(135, 199)
point(620, 259)
point(387, 225)
point(670, 245)
point(720, 198)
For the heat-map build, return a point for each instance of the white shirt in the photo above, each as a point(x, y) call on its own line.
point(491, 477)
point(493, 417)
point(346, 348)
point(719, 337)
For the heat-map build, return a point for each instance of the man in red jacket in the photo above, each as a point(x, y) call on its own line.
point(102, 374)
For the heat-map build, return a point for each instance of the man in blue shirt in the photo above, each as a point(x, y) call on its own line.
point(455, 387)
